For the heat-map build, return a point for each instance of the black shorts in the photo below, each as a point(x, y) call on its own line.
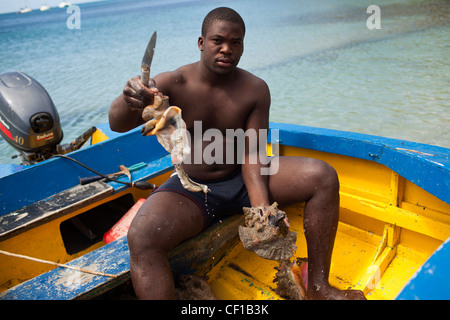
point(227, 196)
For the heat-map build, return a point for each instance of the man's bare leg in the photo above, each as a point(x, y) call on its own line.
point(316, 183)
point(164, 220)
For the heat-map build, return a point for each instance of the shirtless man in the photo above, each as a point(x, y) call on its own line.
point(222, 96)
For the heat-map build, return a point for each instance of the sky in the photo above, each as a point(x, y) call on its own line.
point(16, 5)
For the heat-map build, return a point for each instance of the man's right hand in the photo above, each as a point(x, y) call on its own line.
point(137, 95)
point(125, 112)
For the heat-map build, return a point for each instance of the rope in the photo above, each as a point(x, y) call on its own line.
point(57, 264)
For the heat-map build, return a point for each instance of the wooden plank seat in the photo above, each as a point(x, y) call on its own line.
point(52, 208)
point(113, 258)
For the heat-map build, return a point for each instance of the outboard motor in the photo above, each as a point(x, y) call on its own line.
point(29, 120)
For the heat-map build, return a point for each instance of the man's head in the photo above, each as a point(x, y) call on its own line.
point(224, 14)
point(222, 40)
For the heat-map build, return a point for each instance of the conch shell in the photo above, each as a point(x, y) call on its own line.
point(292, 279)
point(266, 233)
point(166, 123)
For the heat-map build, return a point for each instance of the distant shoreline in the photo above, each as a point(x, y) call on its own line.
point(36, 7)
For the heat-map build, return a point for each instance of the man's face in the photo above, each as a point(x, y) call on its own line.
point(222, 46)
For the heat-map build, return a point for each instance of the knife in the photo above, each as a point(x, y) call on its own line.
point(147, 60)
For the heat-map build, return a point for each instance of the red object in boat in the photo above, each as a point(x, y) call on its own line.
point(121, 227)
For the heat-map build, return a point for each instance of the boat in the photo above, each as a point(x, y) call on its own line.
point(45, 8)
point(64, 4)
point(392, 240)
point(25, 10)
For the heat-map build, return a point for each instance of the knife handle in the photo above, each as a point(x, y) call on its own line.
point(145, 78)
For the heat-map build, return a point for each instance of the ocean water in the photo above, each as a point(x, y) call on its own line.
point(323, 65)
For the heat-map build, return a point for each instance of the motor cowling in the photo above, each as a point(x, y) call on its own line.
point(29, 120)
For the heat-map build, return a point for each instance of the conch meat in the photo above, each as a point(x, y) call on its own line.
point(166, 123)
point(266, 232)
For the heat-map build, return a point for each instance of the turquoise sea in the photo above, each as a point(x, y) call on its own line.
point(324, 66)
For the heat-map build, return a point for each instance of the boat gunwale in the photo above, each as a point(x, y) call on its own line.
point(61, 174)
point(426, 166)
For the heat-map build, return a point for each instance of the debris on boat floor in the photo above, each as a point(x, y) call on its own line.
point(266, 232)
point(187, 287)
point(192, 287)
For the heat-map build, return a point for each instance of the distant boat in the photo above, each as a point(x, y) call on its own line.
point(64, 4)
point(45, 8)
point(25, 10)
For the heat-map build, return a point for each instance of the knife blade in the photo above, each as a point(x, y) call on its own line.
point(147, 60)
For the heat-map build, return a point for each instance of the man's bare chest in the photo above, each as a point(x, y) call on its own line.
point(220, 110)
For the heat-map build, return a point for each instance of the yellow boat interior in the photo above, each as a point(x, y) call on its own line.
point(388, 228)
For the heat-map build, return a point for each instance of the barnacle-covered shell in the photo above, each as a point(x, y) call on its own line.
point(266, 233)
